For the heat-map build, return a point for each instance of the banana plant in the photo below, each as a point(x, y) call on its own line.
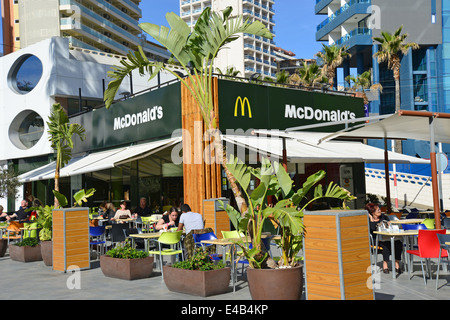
point(286, 214)
point(195, 51)
point(61, 132)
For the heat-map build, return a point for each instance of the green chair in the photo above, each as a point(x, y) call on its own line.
point(234, 234)
point(171, 239)
point(429, 223)
point(30, 230)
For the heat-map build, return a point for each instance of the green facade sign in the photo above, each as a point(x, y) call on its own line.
point(250, 106)
point(151, 115)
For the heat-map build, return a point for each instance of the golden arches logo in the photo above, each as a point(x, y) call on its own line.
point(242, 102)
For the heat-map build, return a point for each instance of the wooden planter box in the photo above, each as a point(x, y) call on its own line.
point(47, 252)
point(3, 247)
point(71, 239)
point(337, 255)
point(275, 284)
point(25, 253)
point(126, 269)
point(198, 283)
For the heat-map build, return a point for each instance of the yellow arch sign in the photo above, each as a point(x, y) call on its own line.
point(242, 102)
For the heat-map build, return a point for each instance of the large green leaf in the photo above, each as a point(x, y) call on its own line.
point(239, 170)
point(307, 185)
point(61, 198)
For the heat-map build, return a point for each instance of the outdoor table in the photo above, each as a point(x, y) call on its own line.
point(407, 221)
point(224, 243)
point(392, 235)
point(146, 236)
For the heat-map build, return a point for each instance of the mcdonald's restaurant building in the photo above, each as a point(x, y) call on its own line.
point(152, 145)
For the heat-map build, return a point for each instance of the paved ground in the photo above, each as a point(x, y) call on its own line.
point(35, 281)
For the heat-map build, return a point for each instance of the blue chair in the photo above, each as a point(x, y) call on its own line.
point(414, 227)
point(198, 238)
point(97, 235)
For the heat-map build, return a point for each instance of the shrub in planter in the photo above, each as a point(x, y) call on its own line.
point(26, 251)
point(198, 275)
point(125, 262)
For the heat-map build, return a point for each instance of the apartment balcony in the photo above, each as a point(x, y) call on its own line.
point(354, 11)
point(322, 5)
point(357, 37)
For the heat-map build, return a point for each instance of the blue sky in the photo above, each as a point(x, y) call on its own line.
point(295, 23)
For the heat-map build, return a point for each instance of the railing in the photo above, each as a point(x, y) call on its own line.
point(340, 11)
point(355, 32)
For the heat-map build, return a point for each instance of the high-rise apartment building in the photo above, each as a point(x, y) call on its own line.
point(249, 54)
point(102, 25)
point(425, 72)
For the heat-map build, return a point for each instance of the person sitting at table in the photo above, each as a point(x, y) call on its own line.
point(122, 212)
point(375, 218)
point(21, 214)
point(189, 220)
point(142, 210)
point(169, 220)
point(2, 214)
point(102, 209)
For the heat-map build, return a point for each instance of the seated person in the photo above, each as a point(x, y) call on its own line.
point(102, 209)
point(122, 212)
point(169, 220)
point(190, 220)
point(142, 210)
point(2, 214)
point(20, 214)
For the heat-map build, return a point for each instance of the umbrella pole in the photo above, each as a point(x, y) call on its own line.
point(386, 175)
point(434, 179)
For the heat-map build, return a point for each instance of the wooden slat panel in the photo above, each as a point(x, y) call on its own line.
point(356, 255)
point(320, 266)
point(331, 292)
point(354, 221)
point(352, 233)
point(321, 244)
point(321, 255)
point(321, 233)
point(357, 290)
point(356, 266)
point(320, 277)
point(319, 221)
point(354, 244)
point(356, 278)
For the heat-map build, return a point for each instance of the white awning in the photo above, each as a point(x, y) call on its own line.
point(304, 151)
point(99, 160)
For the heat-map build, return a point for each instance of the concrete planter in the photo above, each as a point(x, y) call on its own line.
point(47, 252)
point(275, 284)
point(126, 269)
point(25, 253)
point(198, 283)
point(3, 247)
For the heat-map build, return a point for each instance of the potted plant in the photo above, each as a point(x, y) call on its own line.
point(44, 221)
point(127, 263)
point(269, 279)
point(198, 275)
point(27, 250)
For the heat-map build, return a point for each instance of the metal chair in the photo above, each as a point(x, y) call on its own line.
point(118, 232)
point(446, 223)
point(206, 236)
point(443, 238)
point(429, 247)
point(97, 235)
point(171, 239)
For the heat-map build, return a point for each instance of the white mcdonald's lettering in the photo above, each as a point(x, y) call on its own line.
point(151, 114)
point(308, 113)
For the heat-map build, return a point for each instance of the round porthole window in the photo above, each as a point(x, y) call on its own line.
point(25, 73)
point(26, 129)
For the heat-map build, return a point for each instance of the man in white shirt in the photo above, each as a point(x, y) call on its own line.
point(189, 220)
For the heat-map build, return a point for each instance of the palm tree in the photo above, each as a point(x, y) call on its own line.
point(362, 82)
point(60, 135)
point(229, 72)
point(308, 75)
point(195, 51)
point(391, 47)
point(332, 57)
